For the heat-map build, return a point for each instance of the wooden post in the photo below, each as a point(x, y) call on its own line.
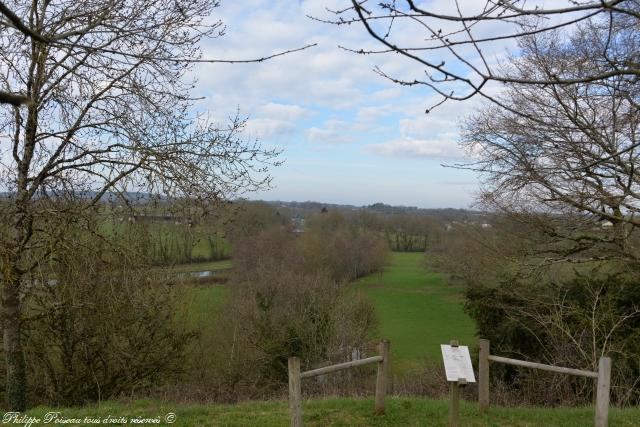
point(454, 398)
point(483, 375)
point(454, 402)
point(382, 378)
point(454, 405)
point(295, 392)
point(602, 392)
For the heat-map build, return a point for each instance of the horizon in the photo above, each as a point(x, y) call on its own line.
point(347, 134)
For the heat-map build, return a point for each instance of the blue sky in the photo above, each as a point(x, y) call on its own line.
point(347, 134)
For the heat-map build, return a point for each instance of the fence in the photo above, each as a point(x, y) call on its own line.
point(603, 377)
point(295, 377)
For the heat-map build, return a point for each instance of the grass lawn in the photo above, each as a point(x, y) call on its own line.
point(173, 238)
point(202, 266)
point(343, 412)
point(202, 302)
point(418, 310)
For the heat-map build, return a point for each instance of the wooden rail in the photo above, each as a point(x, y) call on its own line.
point(295, 377)
point(603, 377)
point(543, 367)
point(340, 367)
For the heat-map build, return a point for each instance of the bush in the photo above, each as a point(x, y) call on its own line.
point(345, 253)
point(291, 314)
point(281, 307)
point(568, 323)
point(100, 326)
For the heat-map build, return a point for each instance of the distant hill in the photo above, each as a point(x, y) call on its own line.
point(295, 209)
point(305, 209)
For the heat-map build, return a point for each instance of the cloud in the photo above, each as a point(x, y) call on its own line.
point(326, 99)
point(373, 113)
point(266, 128)
point(422, 126)
point(286, 112)
point(333, 132)
point(321, 77)
point(418, 148)
point(387, 94)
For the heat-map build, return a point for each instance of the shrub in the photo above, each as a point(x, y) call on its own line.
point(567, 323)
point(101, 325)
point(280, 307)
point(343, 252)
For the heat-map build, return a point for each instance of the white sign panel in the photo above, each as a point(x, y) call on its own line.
point(457, 363)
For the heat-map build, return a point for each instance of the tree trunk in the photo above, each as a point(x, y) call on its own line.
point(16, 380)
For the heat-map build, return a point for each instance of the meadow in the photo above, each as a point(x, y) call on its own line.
point(220, 265)
point(417, 310)
point(174, 243)
point(352, 412)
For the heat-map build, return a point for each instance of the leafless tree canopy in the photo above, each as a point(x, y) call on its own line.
point(109, 110)
point(110, 104)
point(453, 48)
point(565, 149)
point(12, 20)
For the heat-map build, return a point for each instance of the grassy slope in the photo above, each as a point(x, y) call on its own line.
point(417, 309)
point(350, 412)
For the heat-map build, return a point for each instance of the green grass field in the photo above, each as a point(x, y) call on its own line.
point(418, 310)
point(202, 302)
point(202, 266)
point(349, 412)
point(174, 238)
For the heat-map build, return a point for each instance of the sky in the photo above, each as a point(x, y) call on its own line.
point(347, 134)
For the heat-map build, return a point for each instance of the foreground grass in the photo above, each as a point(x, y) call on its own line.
point(418, 310)
point(344, 412)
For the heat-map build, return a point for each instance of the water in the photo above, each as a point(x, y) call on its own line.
point(204, 273)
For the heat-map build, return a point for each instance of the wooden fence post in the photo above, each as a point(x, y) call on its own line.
point(295, 392)
point(483, 375)
point(382, 378)
point(602, 392)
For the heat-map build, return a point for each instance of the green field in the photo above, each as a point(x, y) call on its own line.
point(224, 264)
point(418, 310)
point(202, 302)
point(343, 412)
point(173, 243)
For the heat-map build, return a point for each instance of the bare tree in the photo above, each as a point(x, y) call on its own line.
point(110, 111)
point(451, 46)
point(14, 21)
point(566, 150)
